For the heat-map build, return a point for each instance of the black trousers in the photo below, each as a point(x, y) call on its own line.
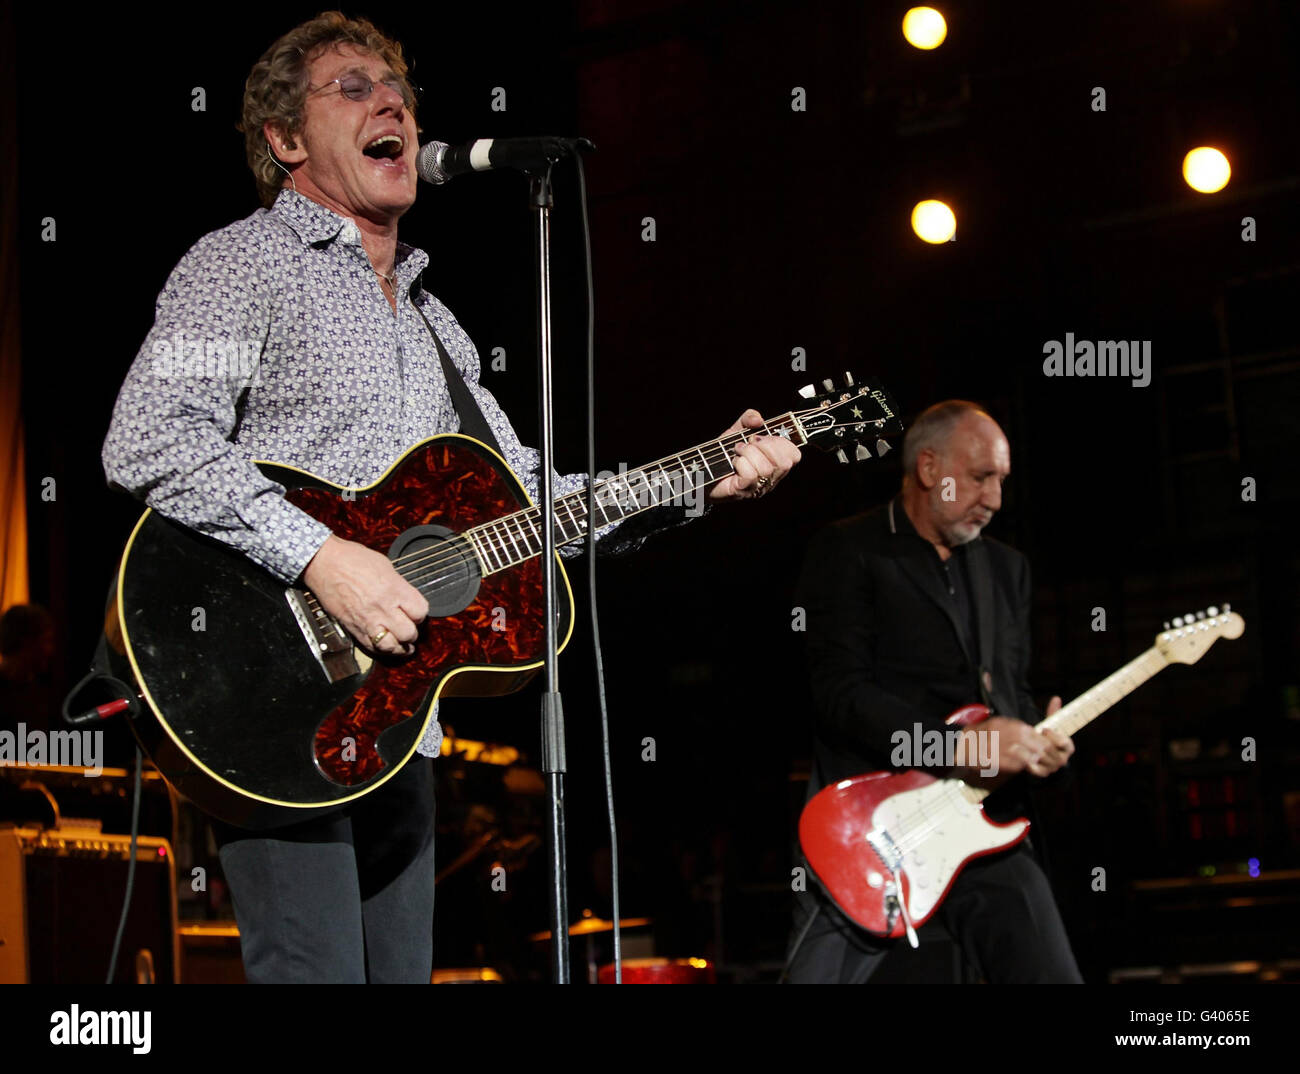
point(1000, 911)
point(347, 898)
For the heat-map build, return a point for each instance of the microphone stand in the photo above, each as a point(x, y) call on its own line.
point(553, 756)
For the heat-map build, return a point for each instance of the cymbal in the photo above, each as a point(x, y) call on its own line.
point(590, 925)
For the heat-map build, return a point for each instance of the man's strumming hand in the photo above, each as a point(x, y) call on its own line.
point(364, 592)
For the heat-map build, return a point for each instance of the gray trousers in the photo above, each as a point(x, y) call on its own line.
point(346, 898)
point(1000, 912)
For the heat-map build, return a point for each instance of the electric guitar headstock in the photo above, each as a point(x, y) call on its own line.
point(860, 416)
point(1187, 637)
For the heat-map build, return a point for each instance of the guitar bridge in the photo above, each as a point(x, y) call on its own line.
point(884, 846)
point(328, 641)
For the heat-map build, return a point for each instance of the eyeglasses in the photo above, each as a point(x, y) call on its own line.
point(358, 87)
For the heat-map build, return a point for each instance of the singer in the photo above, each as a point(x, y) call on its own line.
point(347, 377)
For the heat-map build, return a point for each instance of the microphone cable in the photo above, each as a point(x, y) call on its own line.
point(591, 569)
point(130, 868)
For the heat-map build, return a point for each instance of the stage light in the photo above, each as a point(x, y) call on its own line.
point(924, 28)
point(1206, 169)
point(933, 221)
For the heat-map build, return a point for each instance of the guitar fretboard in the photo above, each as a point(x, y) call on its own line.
point(510, 540)
point(1090, 704)
point(1114, 688)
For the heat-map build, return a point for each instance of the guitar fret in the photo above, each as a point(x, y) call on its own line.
point(473, 547)
point(1114, 688)
point(577, 525)
point(667, 480)
point(599, 488)
point(527, 533)
point(531, 536)
point(611, 486)
point(502, 526)
point(492, 550)
point(645, 496)
point(562, 535)
point(505, 523)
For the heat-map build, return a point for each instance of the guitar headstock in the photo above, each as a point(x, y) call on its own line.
point(1187, 637)
point(857, 415)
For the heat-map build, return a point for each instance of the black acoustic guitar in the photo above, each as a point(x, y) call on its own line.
point(270, 714)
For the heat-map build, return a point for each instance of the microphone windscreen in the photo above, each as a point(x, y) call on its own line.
point(428, 163)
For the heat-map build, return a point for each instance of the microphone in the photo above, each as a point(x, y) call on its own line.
point(437, 161)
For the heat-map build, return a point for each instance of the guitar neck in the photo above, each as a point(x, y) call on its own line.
point(510, 540)
point(1114, 688)
point(1090, 704)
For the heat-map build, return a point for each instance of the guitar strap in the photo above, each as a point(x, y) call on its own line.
point(981, 585)
point(472, 421)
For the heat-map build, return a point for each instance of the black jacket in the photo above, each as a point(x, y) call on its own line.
point(885, 648)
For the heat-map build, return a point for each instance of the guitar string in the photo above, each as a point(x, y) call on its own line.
point(912, 837)
point(415, 566)
point(533, 513)
point(717, 453)
point(579, 498)
point(1106, 694)
point(436, 557)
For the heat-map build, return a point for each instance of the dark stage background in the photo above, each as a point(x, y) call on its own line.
point(778, 229)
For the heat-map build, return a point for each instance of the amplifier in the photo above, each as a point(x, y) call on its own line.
point(61, 893)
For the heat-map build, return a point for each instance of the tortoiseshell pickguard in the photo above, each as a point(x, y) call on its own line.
point(451, 482)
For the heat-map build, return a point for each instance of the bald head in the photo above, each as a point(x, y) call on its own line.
point(933, 426)
point(955, 458)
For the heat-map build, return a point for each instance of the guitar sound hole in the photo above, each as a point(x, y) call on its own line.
point(441, 565)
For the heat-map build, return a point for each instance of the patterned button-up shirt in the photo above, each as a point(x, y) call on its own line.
point(272, 340)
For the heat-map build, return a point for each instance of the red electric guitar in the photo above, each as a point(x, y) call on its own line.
point(887, 846)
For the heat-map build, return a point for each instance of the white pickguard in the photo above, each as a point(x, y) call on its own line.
point(937, 828)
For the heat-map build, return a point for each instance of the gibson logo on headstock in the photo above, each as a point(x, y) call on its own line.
point(880, 397)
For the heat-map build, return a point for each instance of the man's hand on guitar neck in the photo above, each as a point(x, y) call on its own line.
point(1019, 749)
point(363, 591)
point(760, 463)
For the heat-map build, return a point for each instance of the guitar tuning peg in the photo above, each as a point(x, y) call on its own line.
point(839, 454)
point(1227, 608)
point(807, 391)
point(848, 379)
point(1213, 611)
point(1200, 615)
point(1189, 618)
point(1178, 620)
point(881, 447)
point(828, 384)
point(1166, 624)
point(861, 453)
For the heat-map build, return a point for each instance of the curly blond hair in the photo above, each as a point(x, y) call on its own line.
point(277, 85)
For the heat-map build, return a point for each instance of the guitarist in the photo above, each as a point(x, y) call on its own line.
point(302, 335)
point(910, 615)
